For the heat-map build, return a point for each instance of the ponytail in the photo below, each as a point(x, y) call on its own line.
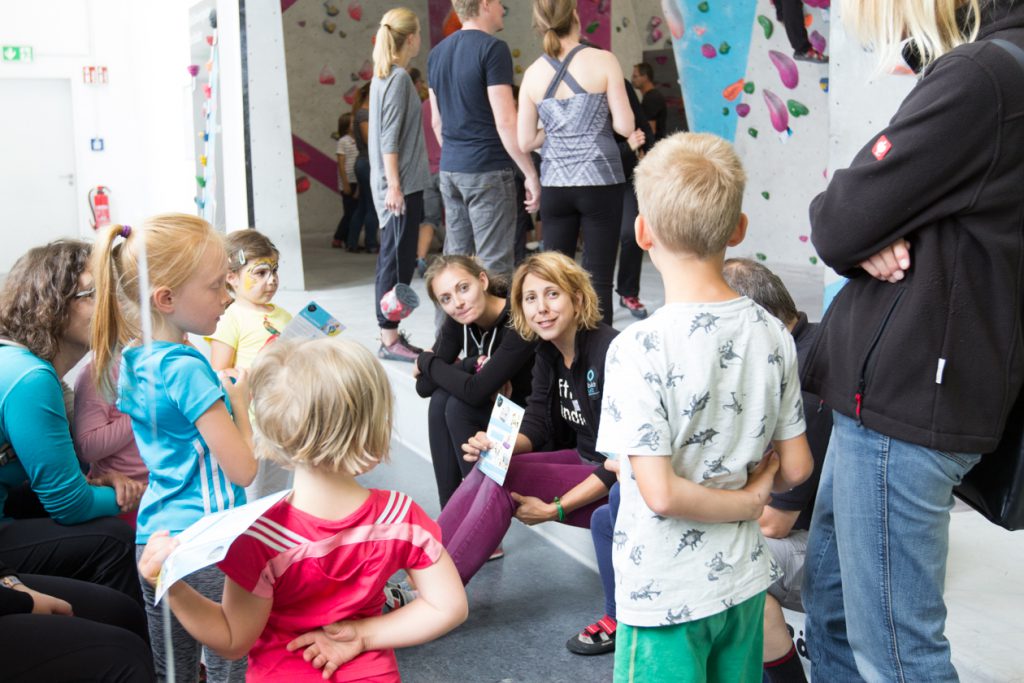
point(109, 326)
point(396, 26)
point(553, 20)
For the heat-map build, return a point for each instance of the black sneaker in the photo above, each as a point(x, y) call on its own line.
point(596, 639)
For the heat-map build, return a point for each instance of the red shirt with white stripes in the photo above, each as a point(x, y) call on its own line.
point(318, 571)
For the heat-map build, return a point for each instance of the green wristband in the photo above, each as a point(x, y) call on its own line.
point(561, 511)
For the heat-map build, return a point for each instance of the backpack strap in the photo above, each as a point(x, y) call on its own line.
point(1015, 51)
point(562, 73)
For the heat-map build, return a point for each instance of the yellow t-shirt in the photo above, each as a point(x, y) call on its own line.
point(248, 331)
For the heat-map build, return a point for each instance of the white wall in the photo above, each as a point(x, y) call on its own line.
point(141, 114)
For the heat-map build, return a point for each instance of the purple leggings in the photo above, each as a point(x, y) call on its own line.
point(479, 513)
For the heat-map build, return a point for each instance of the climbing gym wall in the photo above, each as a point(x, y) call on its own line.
point(741, 82)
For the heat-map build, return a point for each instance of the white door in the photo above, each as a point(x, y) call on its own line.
point(37, 165)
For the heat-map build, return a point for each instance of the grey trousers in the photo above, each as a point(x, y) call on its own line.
point(480, 212)
point(209, 582)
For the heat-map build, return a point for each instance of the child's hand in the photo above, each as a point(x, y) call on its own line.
point(760, 482)
point(477, 444)
point(127, 490)
point(160, 545)
point(236, 386)
point(330, 647)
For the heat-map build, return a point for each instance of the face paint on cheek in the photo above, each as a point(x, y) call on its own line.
point(259, 270)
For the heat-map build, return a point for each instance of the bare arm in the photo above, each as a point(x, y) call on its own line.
point(623, 121)
point(530, 134)
point(670, 495)
point(440, 607)
point(222, 356)
point(504, 108)
point(796, 463)
point(777, 523)
point(231, 440)
point(394, 200)
point(435, 118)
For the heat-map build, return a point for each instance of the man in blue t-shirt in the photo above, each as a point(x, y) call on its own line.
point(474, 117)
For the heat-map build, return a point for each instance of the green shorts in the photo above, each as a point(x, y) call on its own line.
point(723, 647)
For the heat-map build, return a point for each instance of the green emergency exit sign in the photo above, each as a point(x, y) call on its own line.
point(16, 53)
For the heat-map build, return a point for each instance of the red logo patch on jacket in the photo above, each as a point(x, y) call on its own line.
point(881, 147)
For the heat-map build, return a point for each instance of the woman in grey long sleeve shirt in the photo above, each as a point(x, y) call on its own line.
point(398, 164)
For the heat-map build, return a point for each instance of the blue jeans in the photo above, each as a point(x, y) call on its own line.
point(876, 559)
point(602, 530)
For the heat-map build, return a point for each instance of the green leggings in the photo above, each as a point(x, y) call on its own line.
point(723, 647)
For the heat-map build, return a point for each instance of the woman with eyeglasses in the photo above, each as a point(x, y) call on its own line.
point(54, 520)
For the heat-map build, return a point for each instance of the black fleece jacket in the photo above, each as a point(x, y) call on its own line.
point(509, 359)
point(543, 424)
point(936, 359)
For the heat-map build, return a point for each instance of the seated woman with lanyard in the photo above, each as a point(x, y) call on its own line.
point(476, 355)
point(552, 300)
point(55, 522)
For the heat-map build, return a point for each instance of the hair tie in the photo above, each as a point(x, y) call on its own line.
point(125, 231)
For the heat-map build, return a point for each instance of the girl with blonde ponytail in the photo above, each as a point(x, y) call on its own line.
point(398, 166)
point(579, 95)
point(199, 450)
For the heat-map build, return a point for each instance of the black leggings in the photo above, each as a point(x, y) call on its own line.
point(451, 422)
point(105, 640)
point(597, 212)
point(396, 261)
point(100, 551)
point(631, 256)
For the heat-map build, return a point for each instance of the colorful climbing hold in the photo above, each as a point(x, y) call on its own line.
point(767, 25)
point(818, 41)
point(813, 260)
point(326, 76)
point(703, 7)
point(776, 111)
point(332, 10)
point(742, 109)
point(350, 94)
point(787, 68)
point(724, 48)
point(766, 195)
point(824, 84)
point(301, 184)
point(193, 70)
point(725, 111)
point(708, 50)
point(748, 87)
point(804, 238)
point(516, 53)
point(355, 10)
point(699, 31)
point(733, 90)
point(797, 109)
point(301, 158)
point(655, 21)
point(329, 26)
point(761, 257)
point(592, 26)
point(200, 181)
point(655, 36)
point(366, 70)
point(752, 132)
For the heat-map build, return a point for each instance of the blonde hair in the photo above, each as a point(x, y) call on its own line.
point(466, 9)
point(689, 189)
point(321, 403)
point(568, 276)
point(175, 243)
point(931, 24)
point(553, 19)
point(396, 26)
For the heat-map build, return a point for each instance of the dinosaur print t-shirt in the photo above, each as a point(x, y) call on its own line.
point(710, 385)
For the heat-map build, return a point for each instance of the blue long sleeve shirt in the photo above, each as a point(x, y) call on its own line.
point(34, 422)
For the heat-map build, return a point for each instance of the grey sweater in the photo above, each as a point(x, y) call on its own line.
point(396, 127)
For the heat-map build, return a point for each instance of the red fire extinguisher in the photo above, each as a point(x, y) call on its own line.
point(99, 204)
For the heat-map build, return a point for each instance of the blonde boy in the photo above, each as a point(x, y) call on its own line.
point(695, 395)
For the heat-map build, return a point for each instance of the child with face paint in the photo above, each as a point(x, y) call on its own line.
point(251, 321)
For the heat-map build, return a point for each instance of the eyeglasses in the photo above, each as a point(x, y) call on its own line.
point(85, 293)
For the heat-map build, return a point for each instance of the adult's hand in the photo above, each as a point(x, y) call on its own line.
point(636, 139)
point(532, 510)
point(891, 263)
point(532, 202)
point(477, 443)
point(46, 604)
point(394, 200)
point(127, 490)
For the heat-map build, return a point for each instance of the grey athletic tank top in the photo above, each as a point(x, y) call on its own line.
point(579, 148)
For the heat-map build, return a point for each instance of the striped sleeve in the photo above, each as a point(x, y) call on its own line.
point(422, 533)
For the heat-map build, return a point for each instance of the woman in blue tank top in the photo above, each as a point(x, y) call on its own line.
point(571, 100)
